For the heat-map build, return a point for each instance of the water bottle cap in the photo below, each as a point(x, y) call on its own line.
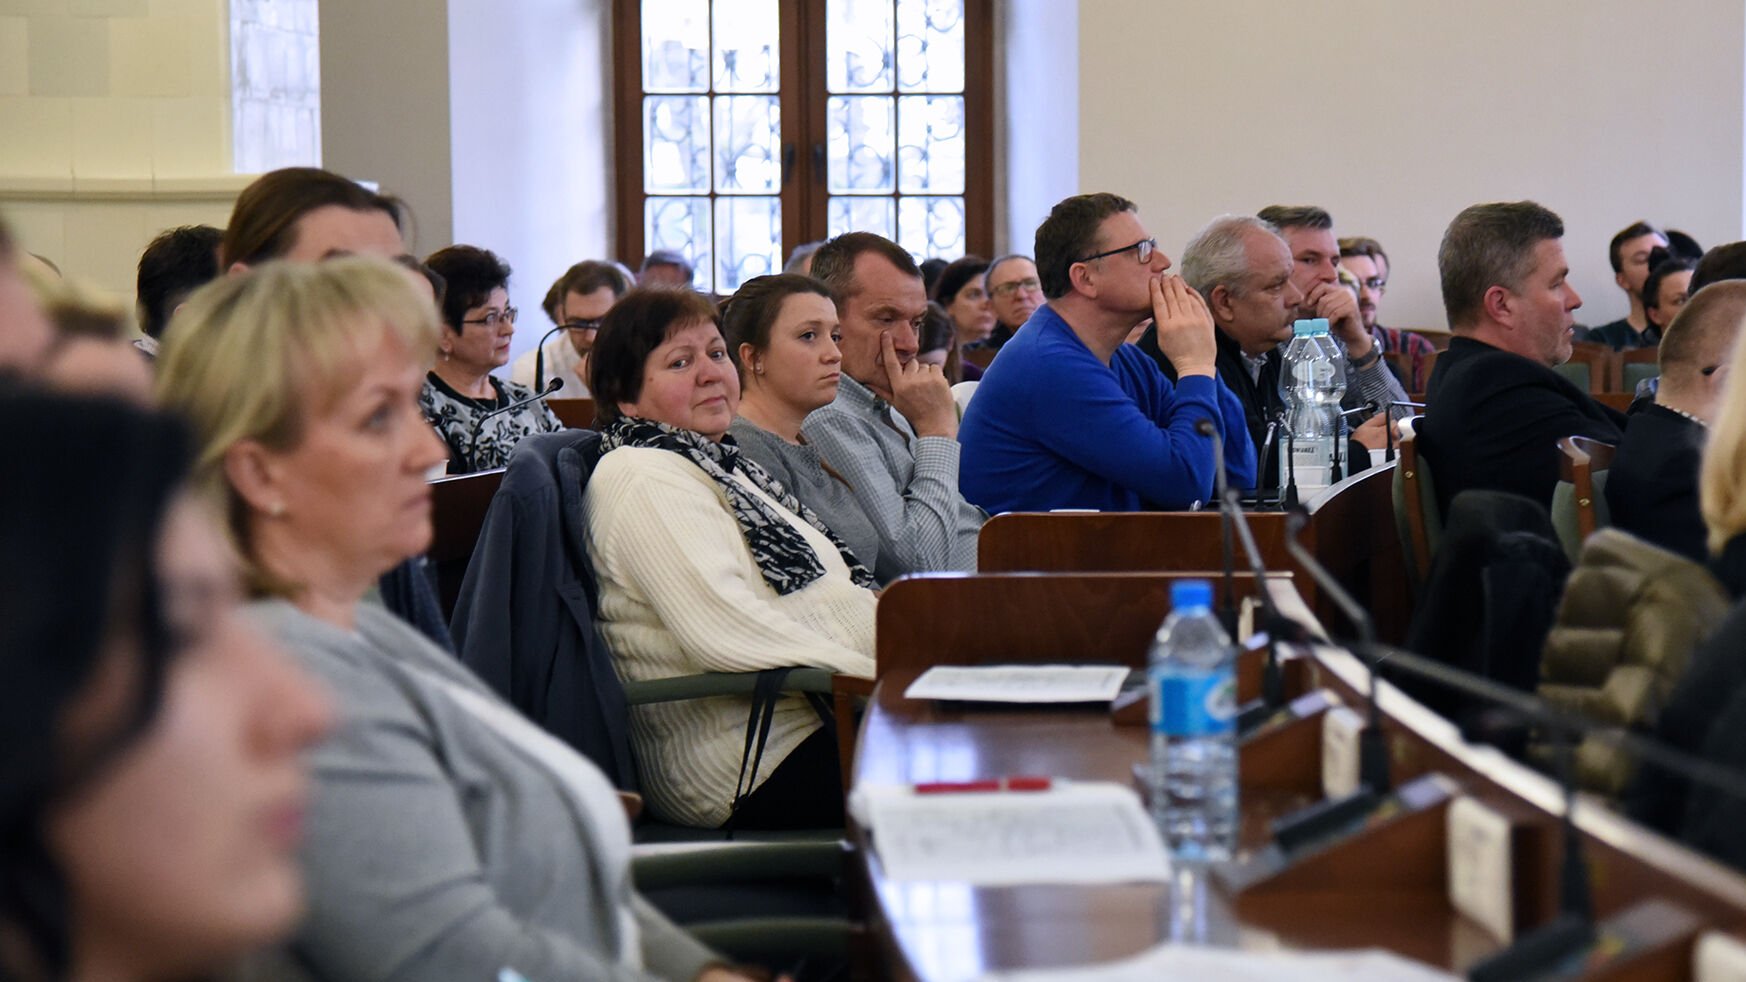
point(1309, 326)
point(1185, 594)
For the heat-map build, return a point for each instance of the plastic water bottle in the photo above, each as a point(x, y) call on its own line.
point(1193, 685)
point(1314, 379)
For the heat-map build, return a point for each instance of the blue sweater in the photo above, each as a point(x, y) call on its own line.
point(1050, 426)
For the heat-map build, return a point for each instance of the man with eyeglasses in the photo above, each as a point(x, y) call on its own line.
point(1315, 254)
point(1015, 293)
point(1364, 258)
point(1070, 415)
point(577, 302)
point(1652, 488)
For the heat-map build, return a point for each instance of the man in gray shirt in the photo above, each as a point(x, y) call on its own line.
point(892, 430)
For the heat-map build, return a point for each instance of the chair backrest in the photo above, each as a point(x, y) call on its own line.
point(457, 511)
point(961, 394)
point(1417, 518)
point(1579, 501)
point(1590, 366)
point(577, 414)
point(1632, 372)
point(925, 620)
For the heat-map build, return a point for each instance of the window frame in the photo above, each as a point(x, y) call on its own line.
point(804, 191)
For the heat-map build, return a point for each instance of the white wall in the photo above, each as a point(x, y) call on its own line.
point(530, 123)
point(1395, 115)
point(1038, 63)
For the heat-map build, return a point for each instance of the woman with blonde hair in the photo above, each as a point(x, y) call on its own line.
point(450, 839)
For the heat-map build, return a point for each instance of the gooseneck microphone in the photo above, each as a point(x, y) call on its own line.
point(540, 357)
point(1269, 443)
point(1210, 430)
point(478, 424)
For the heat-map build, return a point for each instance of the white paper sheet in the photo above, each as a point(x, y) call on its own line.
point(1175, 961)
point(1019, 683)
point(1073, 833)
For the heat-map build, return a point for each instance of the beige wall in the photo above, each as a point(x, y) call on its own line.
point(114, 123)
point(1395, 114)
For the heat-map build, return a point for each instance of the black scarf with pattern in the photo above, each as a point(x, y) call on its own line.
point(783, 556)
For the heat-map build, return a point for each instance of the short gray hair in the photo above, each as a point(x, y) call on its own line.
point(1218, 255)
point(1490, 245)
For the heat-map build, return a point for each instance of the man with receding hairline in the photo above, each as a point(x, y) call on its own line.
point(1497, 408)
point(1652, 488)
point(892, 430)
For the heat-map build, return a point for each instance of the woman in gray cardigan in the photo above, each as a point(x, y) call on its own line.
point(449, 838)
point(781, 333)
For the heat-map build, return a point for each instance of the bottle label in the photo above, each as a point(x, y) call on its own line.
point(1193, 703)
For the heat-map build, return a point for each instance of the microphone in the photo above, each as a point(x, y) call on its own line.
point(1210, 430)
point(1389, 430)
point(551, 387)
point(540, 357)
point(1268, 441)
point(1373, 769)
point(1288, 499)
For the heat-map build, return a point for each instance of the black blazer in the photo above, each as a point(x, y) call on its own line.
point(1494, 420)
point(1652, 488)
point(1262, 401)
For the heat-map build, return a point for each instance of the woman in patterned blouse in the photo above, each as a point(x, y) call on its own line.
point(461, 397)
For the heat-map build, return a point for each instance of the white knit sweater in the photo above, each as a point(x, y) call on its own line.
point(680, 594)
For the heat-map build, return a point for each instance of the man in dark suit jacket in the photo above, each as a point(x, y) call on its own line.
point(1496, 407)
point(1652, 488)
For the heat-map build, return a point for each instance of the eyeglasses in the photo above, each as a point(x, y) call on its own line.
point(1376, 283)
point(1029, 284)
point(582, 325)
point(492, 318)
point(1142, 249)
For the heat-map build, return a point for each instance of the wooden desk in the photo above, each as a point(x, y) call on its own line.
point(949, 931)
point(457, 510)
point(1351, 531)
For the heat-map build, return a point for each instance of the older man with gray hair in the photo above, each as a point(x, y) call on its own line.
point(1243, 268)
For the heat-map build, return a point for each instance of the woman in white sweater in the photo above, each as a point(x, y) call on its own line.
point(706, 564)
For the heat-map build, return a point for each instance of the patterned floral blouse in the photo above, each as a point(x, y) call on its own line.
point(475, 442)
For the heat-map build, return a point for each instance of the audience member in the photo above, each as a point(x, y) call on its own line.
point(962, 292)
point(150, 781)
point(1069, 416)
point(781, 332)
point(1369, 264)
point(1014, 292)
point(931, 270)
point(1629, 253)
point(90, 353)
point(937, 345)
point(1652, 487)
point(666, 267)
point(1315, 252)
point(449, 838)
point(800, 260)
point(305, 214)
point(1497, 408)
point(576, 302)
point(891, 429)
point(468, 405)
point(706, 564)
point(174, 264)
point(1724, 262)
point(25, 333)
point(1666, 290)
point(1682, 246)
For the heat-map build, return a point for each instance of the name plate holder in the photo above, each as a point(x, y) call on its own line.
point(1284, 753)
point(1502, 866)
point(1649, 941)
point(1719, 957)
point(1398, 842)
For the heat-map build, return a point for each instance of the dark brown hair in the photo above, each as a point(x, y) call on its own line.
point(640, 322)
point(469, 275)
point(834, 262)
point(956, 276)
point(1069, 234)
point(748, 315)
point(264, 222)
point(585, 277)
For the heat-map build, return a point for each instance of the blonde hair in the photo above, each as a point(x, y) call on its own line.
point(255, 356)
point(1722, 483)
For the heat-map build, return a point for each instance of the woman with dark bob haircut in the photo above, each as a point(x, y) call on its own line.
point(150, 781)
point(461, 397)
point(706, 564)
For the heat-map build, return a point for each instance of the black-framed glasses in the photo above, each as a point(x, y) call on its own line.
point(582, 325)
point(1142, 249)
point(492, 318)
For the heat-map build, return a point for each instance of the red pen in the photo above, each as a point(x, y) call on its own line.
point(1026, 783)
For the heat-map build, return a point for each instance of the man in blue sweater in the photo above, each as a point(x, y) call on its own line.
point(1071, 417)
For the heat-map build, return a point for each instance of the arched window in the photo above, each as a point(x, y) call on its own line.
point(747, 127)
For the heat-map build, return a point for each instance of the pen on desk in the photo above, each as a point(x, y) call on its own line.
point(1026, 783)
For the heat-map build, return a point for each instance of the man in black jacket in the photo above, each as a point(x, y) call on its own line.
point(1652, 488)
point(1496, 407)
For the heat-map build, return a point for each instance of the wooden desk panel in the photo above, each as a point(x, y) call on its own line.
point(1351, 531)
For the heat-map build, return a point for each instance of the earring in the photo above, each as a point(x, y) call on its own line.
point(276, 509)
point(759, 369)
point(445, 354)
